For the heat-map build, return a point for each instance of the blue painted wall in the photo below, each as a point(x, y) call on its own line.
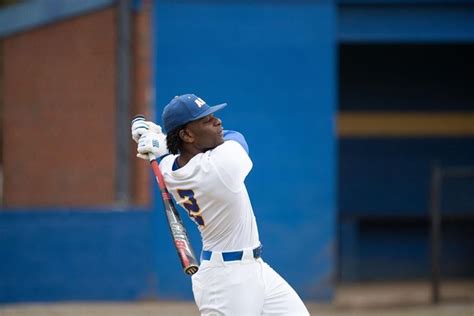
point(406, 21)
point(274, 63)
point(54, 255)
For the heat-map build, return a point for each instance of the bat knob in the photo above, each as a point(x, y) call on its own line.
point(191, 269)
point(139, 117)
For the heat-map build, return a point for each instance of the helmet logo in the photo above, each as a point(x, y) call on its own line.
point(199, 102)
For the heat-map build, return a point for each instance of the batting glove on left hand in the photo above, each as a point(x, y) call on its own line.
point(152, 143)
point(140, 127)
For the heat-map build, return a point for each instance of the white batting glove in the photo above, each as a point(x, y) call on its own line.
point(152, 143)
point(140, 127)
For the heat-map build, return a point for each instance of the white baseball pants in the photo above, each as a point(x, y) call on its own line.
point(246, 287)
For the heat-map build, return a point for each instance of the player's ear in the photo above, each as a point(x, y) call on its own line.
point(186, 135)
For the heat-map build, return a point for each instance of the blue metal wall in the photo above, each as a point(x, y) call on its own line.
point(274, 63)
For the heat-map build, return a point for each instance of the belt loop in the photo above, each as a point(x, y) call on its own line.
point(216, 258)
point(248, 254)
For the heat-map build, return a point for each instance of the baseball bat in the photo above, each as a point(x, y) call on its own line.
point(178, 231)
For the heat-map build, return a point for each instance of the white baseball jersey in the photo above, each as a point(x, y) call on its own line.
point(211, 188)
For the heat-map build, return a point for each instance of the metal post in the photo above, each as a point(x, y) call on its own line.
point(122, 184)
point(436, 178)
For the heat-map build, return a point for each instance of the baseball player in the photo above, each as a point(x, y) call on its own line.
point(204, 167)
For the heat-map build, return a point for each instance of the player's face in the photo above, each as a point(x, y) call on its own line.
point(207, 132)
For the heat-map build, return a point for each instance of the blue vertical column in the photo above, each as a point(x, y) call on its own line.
point(273, 62)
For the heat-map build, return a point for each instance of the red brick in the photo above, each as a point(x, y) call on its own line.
point(59, 113)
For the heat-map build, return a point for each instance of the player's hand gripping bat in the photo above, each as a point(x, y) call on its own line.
point(178, 232)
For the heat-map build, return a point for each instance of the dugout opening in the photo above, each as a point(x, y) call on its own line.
point(403, 106)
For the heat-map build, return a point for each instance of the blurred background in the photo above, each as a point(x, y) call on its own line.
point(359, 115)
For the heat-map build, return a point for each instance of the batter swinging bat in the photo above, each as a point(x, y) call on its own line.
point(178, 232)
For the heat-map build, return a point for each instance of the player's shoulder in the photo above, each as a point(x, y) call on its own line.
point(230, 153)
point(229, 148)
point(231, 163)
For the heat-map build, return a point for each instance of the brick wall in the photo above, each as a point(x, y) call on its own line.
point(59, 113)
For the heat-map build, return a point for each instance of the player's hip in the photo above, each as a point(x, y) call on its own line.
point(229, 257)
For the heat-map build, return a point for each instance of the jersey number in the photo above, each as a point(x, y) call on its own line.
point(191, 206)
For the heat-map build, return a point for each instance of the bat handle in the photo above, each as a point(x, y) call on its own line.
point(151, 157)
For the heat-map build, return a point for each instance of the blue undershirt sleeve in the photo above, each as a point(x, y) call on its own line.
point(236, 136)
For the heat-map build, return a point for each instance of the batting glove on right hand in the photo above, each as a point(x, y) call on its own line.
point(152, 143)
point(140, 127)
